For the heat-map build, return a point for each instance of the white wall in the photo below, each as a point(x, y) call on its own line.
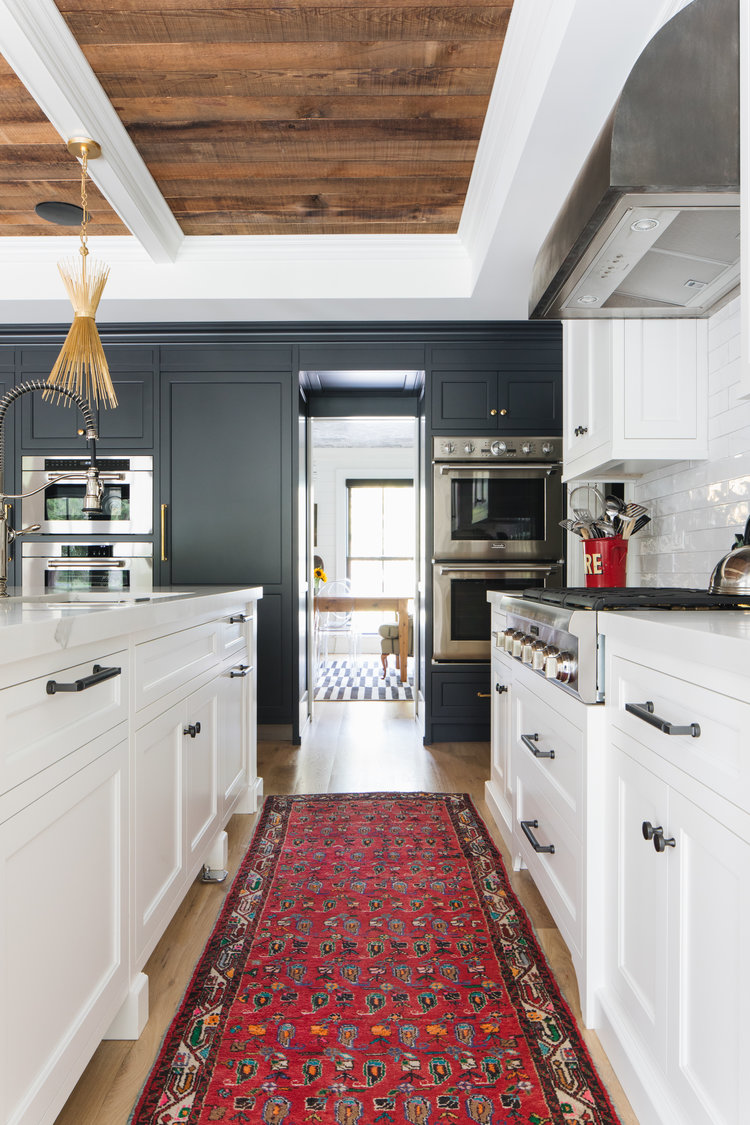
point(697, 506)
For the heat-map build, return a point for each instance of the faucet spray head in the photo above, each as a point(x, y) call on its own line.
point(92, 501)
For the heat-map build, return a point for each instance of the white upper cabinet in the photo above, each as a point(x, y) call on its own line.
point(635, 396)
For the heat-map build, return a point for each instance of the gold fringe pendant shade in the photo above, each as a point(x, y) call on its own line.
point(81, 366)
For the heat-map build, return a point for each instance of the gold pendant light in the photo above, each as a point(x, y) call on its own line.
point(81, 366)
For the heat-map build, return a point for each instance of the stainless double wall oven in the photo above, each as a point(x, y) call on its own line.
point(497, 506)
point(74, 551)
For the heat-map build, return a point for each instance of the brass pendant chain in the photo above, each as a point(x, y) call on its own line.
point(84, 201)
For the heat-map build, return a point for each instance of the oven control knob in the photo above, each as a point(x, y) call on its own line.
point(537, 656)
point(551, 655)
point(507, 639)
point(469, 447)
point(527, 652)
point(498, 447)
point(518, 643)
point(566, 667)
point(448, 447)
point(526, 447)
point(547, 447)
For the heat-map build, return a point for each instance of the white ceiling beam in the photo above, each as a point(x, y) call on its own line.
point(37, 44)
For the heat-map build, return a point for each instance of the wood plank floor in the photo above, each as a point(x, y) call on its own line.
point(351, 747)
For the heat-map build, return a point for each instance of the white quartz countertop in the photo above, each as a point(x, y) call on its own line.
point(34, 623)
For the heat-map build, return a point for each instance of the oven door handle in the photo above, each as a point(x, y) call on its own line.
point(73, 476)
point(492, 572)
point(85, 564)
point(503, 467)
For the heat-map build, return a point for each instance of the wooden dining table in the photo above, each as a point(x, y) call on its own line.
point(343, 603)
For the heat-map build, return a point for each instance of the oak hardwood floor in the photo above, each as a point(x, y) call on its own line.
point(350, 747)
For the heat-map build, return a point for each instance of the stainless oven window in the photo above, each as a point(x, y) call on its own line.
point(82, 565)
point(58, 486)
point(497, 512)
point(64, 501)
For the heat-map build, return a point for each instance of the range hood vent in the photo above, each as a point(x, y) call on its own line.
point(651, 227)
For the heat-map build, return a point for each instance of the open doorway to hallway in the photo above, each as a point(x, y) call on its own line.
point(364, 529)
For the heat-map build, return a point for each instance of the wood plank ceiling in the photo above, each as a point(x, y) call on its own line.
point(338, 117)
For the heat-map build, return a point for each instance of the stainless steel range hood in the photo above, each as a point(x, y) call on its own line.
point(651, 227)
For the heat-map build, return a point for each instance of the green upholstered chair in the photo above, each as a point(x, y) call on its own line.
point(389, 642)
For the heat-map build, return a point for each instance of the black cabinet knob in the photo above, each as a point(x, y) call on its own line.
point(648, 830)
point(192, 729)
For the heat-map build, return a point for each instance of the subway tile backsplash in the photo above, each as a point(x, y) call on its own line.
point(697, 507)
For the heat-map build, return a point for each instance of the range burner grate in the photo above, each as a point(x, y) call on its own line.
point(635, 597)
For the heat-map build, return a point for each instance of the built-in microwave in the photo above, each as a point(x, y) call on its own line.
point(461, 613)
point(83, 565)
point(58, 487)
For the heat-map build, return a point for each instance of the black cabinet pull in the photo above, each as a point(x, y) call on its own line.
point(500, 688)
point(237, 619)
point(529, 739)
point(526, 826)
point(192, 729)
point(241, 670)
point(100, 674)
point(657, 835)
point(645, 711)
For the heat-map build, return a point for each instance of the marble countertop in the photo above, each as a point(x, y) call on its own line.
point(33, 623)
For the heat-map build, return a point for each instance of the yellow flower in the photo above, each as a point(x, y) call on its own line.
point(320, 574)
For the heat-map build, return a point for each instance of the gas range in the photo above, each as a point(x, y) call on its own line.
point(556, 633)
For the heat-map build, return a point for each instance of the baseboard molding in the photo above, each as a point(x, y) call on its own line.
point(494, 805)
point(280, 732)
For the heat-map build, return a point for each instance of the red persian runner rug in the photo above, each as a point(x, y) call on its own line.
point(371, 964)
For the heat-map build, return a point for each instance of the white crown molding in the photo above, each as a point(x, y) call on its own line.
point(37, 44)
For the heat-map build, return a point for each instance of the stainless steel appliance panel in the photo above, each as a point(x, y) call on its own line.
point(83, 565)
point(461, 612)
point(58, 485)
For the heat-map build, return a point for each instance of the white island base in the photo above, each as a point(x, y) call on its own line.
point(114, 795)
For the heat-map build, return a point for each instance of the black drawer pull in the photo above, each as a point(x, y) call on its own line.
point(237, 619)
point(192, 729)
point(645, 711)
point(526, 826)
point(241, 670)
point(529, 739)
point(99, 676)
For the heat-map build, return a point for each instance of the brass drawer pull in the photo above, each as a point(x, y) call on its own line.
point(484, 695)
point(164, 533)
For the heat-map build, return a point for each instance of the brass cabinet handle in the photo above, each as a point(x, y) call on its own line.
point(164, 533)
point(493, 413)
point(503, 412)
point(484, 695)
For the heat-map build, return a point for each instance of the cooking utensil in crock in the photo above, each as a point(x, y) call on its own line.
point(732, 573)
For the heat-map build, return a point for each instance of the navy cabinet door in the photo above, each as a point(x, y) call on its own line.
point(464, 401)
point(531, 402)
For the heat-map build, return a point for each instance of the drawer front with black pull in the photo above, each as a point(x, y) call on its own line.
point(45, 718)
point(553, 748)
point(697, 730)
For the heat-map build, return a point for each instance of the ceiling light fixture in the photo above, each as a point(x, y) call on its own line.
point(644, 224)
point(81, 366)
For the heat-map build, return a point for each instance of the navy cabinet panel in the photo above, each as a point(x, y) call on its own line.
point(533, 401)
point(368, 355)
point(461, 695)
point(204, 356)
point(463, 400)
point(274, 679)
point(228, 489)
point(129, 426)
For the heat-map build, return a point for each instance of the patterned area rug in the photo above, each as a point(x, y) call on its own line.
point(340, 680)
point(371, 964)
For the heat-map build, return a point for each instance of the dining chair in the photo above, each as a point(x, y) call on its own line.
point(336, 623)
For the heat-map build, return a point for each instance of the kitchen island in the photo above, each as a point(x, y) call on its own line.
point(127, 740)
point(632, 816)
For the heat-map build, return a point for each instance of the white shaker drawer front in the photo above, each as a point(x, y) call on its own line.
point(167, 663)
point(699, 731)
point(233, 632)
point(554, 748)
point(44, 719)
point(558, 873)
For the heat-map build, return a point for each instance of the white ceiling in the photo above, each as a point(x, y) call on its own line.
point(563, 65)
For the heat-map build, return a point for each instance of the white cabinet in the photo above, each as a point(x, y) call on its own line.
point(63, 939)
point(676, 982)
point(499, 788)
point(635, 396)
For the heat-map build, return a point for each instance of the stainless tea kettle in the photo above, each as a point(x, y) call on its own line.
point(732, 573)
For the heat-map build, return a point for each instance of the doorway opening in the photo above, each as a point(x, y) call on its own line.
point(364, 498)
